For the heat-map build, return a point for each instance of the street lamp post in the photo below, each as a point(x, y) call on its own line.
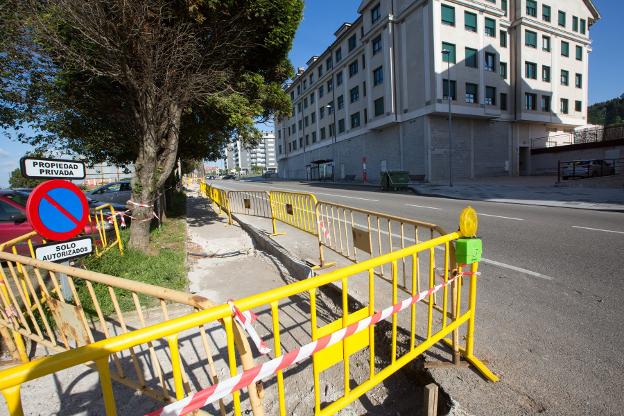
point(447, 53)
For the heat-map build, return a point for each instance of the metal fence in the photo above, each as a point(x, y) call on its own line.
point(331, 341)
point(68, 309)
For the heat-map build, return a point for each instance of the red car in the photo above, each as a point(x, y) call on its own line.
point(13, 221)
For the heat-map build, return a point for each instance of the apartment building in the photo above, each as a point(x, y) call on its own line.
point(244, 158)
point(377, 98)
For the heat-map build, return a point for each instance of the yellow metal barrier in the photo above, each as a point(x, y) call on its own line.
point(105, 215)
point(296, 209)
point(34, 305)
point(424, 331)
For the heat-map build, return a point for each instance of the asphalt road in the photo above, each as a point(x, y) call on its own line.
point(550, 300)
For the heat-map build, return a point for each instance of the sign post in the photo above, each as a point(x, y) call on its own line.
point(58, 210)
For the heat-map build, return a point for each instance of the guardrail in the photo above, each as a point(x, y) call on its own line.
point(96, 306)
point(589, 168)
point(329, 342)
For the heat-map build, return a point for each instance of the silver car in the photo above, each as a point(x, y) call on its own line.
point(113, 193)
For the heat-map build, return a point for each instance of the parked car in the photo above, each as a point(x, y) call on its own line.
point(587, 169)
point(229, 177)
point(114, 193)
point(13, 221)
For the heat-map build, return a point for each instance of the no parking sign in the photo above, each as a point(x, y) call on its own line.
point(57, 210)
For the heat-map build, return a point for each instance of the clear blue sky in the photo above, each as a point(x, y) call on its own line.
point(317, 32)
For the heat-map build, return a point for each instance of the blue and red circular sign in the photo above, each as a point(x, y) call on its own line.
point(57, 210)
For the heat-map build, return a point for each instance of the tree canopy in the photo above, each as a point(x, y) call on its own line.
point(144, 81)
point(607, 113)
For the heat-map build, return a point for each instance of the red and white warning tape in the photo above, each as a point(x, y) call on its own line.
point(324, 229)
point(225, 388)
point(245, 319)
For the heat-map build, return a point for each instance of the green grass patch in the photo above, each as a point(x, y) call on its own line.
point(166, 267)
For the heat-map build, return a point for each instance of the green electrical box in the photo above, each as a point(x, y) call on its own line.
point(468, 250)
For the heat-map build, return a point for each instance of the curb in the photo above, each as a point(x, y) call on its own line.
point(517, 202)
point(296, 268)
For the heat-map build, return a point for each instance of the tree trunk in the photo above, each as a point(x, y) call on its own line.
point(155, 162)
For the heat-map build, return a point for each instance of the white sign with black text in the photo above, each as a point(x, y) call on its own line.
point(65, 250)
point(52, 168)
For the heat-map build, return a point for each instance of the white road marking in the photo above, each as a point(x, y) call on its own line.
point(317, 193)
point(517, 269)
point(500, 216)
point(598, 229)
point(422, 206)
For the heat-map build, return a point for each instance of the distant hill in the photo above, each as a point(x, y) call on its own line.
point(608, 113)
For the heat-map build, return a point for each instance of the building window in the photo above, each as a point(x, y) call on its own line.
point(546, 13)
point(322, 113)
point(490, 62)
point(340, 102)
point(307, 138)
point(306, 121)
point(292, 96)
point(530, 70)
point(564, 106)
point(352, 43)
point(448, 15)
point(313, 117)
point(379, 107)
point(565, 48)
point(530, 39)
point(503, 39)
point(565, 77)
point(355, 120)
point(376, 45)
point(378, 76)
point(471, 57)
point(579, 53)
point(320, 71)
point(578, 106)
point(321, 91)
point(490, 27)
point(332, 130)
point(448, 57)
point(280, 149)
point(546, 103)
point(363, 61)
point(330, 85)
point(311, 78)
point(545, 73)
point(546, 43)
point(330, 107)
point(583, 26)
point(341, 126)
point(339, 78)
point(504, 6)
point(575, 24)
point(375, 13)
point(312, 98)
point(445, 90)
point(472, 93)
point(490, 96)
point(329, 64)
point(355, 94)
point(562, 19)
point(353, 68)
point(313, 137)
point(305, 85)
point(530, 101)
point(503, 70)
point(338, 55)
point(470, 21)
point(531, 8)
point(578, 81)
point(503, 101)
point(298, 90)
point(305, 102)
point(299, 107)
point(323, 133)
point(364, 88)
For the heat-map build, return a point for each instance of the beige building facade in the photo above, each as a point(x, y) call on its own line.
point(377, 98)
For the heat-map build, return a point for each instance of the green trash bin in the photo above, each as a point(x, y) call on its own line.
point(396, 180)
